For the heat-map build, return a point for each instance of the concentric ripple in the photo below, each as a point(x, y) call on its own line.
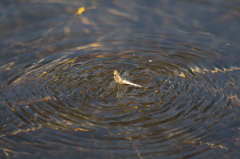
point(56, 101)
point(55, 64)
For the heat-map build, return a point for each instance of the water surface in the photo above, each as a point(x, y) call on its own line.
point(55, 65)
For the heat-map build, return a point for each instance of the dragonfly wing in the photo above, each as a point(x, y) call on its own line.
point(121, 90)
point(126, 74)
point(110, 89)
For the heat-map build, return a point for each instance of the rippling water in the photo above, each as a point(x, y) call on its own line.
point(55, 65)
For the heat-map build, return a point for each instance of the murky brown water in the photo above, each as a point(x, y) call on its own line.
point(55, 65)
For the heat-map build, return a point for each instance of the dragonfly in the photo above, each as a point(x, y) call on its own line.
point(119, 85)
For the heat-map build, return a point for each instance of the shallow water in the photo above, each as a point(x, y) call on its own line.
point(55, 65)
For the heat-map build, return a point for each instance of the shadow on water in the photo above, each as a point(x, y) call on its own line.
point(55, 65)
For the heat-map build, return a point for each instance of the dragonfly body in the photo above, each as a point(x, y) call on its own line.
point(119, 80)
point(130, 83)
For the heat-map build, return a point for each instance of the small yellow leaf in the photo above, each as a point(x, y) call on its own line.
point(81, 10)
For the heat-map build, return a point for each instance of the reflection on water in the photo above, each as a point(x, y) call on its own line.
point(56, 67)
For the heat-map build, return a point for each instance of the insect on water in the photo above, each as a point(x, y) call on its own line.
point(120, 84)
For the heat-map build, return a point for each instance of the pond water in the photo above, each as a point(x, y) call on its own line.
point(55, 65)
